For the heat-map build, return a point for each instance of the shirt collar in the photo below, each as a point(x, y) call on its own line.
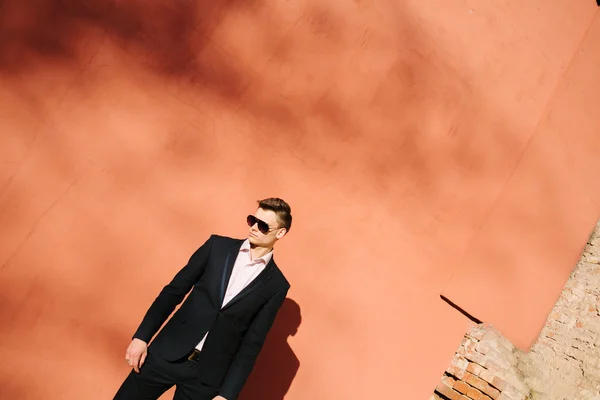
point(264, 259)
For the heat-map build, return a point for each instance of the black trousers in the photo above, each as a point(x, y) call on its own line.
point(158, 375)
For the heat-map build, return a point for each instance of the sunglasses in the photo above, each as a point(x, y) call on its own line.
point(262, 226)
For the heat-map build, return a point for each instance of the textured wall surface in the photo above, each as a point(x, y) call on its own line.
point(563, 363)
point(541, 221)
point(131, 130)
point(483, 368)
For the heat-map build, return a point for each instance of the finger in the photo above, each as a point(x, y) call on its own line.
point(143, 358)
point(136, 363)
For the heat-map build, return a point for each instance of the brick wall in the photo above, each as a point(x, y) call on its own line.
point(483, 368)
point(563, 364)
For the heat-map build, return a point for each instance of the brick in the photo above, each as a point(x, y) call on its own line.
point(470, 345)
point(462, 363)
point(448, 381)
point(456, 371)
point(474, 368)
point(461, 387)
point(477, 334)
point(475, 357)
point(493, 367)
point(486, 375)
point(475, 394)
point(476, 382)
point(448, 392)
point(499, 384)
point(564, 318)
point(483, 386)
point(492, 392)
point(485, 347)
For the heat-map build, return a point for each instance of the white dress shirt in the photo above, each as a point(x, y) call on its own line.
point(245, 270)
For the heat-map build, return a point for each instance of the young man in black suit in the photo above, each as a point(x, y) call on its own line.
point(209, 346)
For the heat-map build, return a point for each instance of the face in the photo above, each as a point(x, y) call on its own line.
point(270, 236)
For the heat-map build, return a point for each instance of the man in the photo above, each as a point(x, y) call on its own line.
point(209, 346)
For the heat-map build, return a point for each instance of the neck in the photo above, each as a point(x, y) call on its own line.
point(259, 251)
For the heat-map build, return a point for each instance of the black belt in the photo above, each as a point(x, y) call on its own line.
point(194, 355)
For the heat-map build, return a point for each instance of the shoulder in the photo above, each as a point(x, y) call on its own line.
point(283, 283)
point(225, 240)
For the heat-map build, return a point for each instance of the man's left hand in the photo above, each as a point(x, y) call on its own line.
point(219, 398)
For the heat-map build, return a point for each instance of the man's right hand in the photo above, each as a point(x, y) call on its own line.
point(136, 354)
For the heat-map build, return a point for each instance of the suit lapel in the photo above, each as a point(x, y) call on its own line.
point(228, 269)
point(260, 280)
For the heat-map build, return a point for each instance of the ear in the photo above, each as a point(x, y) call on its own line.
point(281, 233)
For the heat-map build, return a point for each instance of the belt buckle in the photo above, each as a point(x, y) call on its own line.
point(193, 355)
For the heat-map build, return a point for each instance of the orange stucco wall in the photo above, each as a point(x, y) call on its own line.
point(131, 130)
point(517, 264)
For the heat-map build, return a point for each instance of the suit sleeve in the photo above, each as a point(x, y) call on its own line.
point(244, 360)
point(173, 293)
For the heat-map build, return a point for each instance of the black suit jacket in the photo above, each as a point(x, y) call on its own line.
point(236, 332)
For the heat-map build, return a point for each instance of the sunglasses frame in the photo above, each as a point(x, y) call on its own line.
point(251, 220)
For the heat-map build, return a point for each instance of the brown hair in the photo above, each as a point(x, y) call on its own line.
point(279, 207)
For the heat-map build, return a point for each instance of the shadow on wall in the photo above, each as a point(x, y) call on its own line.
point(277, 364)
point(174, 41)
point(460, 310)
point(169, 38)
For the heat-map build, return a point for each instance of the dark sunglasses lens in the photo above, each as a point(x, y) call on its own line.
point(263, 227)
